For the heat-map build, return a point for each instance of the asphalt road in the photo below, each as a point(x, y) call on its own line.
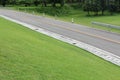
point(101, 39)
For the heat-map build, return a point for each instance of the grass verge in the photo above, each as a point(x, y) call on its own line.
point(29, 55)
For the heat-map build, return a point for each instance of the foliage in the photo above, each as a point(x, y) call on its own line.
point(101, 5)
point(59, 11)
point(96, 6)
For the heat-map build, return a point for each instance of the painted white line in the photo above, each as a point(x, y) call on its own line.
point(96, 51)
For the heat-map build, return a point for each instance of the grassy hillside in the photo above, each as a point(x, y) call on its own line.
point(28, 55)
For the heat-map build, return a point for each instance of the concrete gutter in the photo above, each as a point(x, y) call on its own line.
point(94, 50)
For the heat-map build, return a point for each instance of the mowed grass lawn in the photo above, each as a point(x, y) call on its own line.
point(29, 55)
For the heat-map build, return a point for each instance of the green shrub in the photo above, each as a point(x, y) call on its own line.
point(59, 11)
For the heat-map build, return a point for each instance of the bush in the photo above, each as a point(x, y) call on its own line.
point(59, 11)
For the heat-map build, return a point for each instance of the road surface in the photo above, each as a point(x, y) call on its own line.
point(101, 39)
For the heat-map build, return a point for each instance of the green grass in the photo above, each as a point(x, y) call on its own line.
point(78, 15)
point(29, 55)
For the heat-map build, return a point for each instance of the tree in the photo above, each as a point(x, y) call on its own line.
point(44, 3)
point(36, 2)
point(103, 6)
point(54, 2)
point(87, 6)
point(92, 5)
point(95, 6)
point(4, 3)
point(117, 3)
point(62, 3)
point(112, 7)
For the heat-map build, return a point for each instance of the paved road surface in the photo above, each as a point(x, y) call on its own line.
point(104, 40)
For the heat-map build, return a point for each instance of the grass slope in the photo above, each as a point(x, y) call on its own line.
point(28, 55)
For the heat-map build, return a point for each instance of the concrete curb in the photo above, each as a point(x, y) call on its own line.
point(96, 51)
